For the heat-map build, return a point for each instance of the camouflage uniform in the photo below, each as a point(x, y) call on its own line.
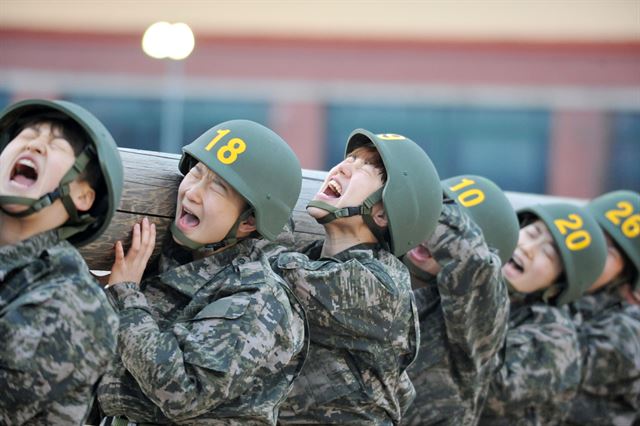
point(364, 333)
point(57, 329)
point(609, 332)
point(541, 370)
point(211, 341)
point(463, 323)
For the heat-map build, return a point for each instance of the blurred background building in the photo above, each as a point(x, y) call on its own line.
point(540, 96)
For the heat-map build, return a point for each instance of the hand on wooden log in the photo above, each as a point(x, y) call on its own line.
point(130, 268)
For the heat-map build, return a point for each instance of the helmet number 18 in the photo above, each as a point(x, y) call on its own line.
point(227, 153)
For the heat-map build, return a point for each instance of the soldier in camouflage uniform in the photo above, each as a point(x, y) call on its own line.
point(561, 251)
point(357, 294)
point(60, 183)
point(608, 325)
point(462, 300)
point(216, 337)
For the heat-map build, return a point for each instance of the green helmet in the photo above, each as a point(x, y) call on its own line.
point(81, 229)
point(257, 163)
point(618, 213)
point(411, 196)
point(581, 243)
point(489, 208)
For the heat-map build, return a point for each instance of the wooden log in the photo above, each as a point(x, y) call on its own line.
point(151, 182)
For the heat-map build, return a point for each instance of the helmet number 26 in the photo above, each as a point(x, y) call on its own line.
point(631, 224)
point(228, 153)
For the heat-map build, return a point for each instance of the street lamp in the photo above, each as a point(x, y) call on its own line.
point(174, 42)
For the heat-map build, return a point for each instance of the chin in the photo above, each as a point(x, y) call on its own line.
point(317, 213)
point(15, 208)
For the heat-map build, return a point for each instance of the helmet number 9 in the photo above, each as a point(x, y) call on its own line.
point(578, 239)
point(228, 153)
point(471, 197)
point(631, 225)
point(391, 137)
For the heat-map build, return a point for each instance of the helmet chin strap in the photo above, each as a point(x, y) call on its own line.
point(228, 240)
point(76, 222)
point(363, 210)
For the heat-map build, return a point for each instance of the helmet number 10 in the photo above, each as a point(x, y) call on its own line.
point(471, 197)
point(227, 153)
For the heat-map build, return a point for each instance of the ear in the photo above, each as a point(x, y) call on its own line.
point(82, 195)
point(247, 226)
point(379, 215)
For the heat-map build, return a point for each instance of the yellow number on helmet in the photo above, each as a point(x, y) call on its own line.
point(578, 239)
point(390, 137)
point(234, 147)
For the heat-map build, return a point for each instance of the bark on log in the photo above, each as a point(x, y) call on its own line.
point(151, 182)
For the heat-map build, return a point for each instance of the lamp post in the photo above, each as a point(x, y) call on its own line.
point(174, 42)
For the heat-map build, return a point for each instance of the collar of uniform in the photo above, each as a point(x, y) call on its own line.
point(23, 253)
point(361, 251)
point(590, 305)
point(202, 271)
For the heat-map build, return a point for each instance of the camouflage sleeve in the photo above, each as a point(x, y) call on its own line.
point(611, 355)
point(474, 298)
point(49, 352)
point(542, 363)
point(199, 363)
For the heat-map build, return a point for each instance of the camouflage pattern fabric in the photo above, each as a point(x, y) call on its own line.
point(609, 332)
point(211, 341)
point(541, 370)
point(58, 333)
point(463, 323)
point(364, 333)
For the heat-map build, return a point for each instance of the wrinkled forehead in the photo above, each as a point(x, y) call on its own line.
point(540, 227)
point(369, 154)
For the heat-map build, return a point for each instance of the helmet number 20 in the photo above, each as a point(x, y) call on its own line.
point(631, 225)
point(577, 239)
point(228, 153)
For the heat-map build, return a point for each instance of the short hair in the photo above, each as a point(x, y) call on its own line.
point(372, 156)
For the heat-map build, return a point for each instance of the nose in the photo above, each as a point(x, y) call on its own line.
point(529, 245)
point(37, 145)
point(346, 167)
point(194, 193)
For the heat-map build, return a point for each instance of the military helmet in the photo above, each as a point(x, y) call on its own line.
point(618, 213)
point(580, 241)
point(78, 231)
point(412, 196)
point(257, 163)
point(487, 205)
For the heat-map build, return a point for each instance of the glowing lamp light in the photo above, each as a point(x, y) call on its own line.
point(164, 40)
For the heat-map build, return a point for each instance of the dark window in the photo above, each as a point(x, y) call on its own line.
point(133, 122)
point(505, 145)
point(624, 168)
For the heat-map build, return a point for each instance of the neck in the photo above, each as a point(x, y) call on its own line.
point(11, 230)
point(204, 252)
point(16, 229)
point(342, 234)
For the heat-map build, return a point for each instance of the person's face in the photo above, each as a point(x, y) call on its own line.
point(536, 262)
point(421, 258)
point(612, 268)
point(34, 162)
point(207, 206)
point(349, 183)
